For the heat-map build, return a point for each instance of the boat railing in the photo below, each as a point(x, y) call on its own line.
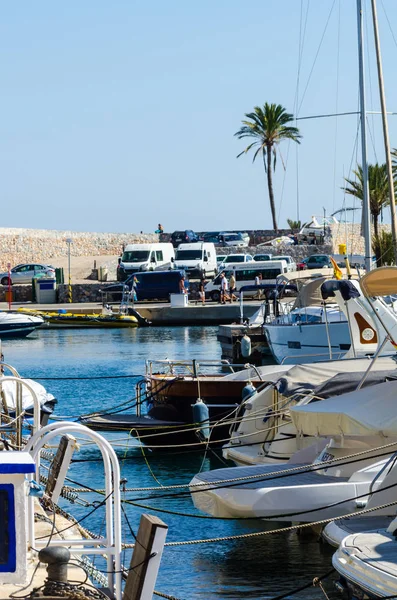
point(329, 356)
point(188, 368)
point(109, 544)
point(302, 318)
point(13, 426)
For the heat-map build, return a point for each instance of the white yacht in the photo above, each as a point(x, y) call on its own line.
point(313, 330)
point(262, 431)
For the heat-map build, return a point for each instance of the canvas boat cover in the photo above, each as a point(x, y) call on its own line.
point(380, 282)
point(365, 412)
point(307, 377)
point(348, 382)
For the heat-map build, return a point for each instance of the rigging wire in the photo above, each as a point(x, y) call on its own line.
point(336, 105)
point(302, 38)
point(389, 24)
point(316, 56)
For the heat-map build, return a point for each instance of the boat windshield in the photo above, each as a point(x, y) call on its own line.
point(135, 256)
point(188, 255)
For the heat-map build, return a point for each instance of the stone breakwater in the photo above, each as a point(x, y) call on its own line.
point(19, 245)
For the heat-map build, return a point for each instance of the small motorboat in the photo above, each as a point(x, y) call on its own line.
point(367, 564)
point(8, 393)
point(299, 490)
point(335, 532)
point(63, 318)
point(183, 399)
point(17, 325)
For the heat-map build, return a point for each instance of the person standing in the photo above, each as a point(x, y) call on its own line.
point(232, 287)
point(182, 288)
point(202, 290)
point(258, 281)
point(224, 288)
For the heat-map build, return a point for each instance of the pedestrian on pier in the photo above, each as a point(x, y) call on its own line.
point(202, 290)
point(224, 288)
point(232, 287)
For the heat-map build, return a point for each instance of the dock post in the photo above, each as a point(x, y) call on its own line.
point(146, 559)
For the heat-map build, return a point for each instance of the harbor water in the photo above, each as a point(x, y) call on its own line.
point(98, 369)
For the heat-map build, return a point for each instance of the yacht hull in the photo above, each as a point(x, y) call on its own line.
point(308, 342)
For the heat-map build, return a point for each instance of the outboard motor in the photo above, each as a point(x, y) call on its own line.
point(201, 417)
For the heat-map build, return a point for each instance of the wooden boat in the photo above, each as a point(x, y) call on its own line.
point(171, 396)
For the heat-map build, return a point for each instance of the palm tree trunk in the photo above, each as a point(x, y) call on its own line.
point(376, 225)
point(270, 186)
point(376, 235)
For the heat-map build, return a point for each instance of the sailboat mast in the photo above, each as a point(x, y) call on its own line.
point(366, 209)
point(385, 131)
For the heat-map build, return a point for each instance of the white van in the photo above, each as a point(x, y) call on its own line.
point(197, 259)
point(245, 274)
point(145, 257)
point(291, 264)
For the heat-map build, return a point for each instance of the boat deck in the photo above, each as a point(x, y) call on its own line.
point(336, 531)
point(122, 422)
point(377, 549)
point(293, 479)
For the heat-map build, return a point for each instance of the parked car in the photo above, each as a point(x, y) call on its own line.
point(233, 239)
point(245, 237)
point(148, 285)
point(288, 259)
point(25, 273)
point(211, 236)
point(235, 258)
point(301, 266)
point(262, 257)
point(317, 261)
point(184, 237)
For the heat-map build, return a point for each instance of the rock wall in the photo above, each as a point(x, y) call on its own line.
point(41, 245)
point(352, 235)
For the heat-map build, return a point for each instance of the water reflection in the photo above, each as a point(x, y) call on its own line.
point(254, 568)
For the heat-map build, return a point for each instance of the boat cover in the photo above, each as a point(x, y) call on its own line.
point(307, 377)
point(346, 288)
point(380, 282)
point(365, 412)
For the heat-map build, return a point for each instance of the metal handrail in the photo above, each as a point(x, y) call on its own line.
point(392, 459)
point(337, 355)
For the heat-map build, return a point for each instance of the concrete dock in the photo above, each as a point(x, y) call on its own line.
point(160, 313)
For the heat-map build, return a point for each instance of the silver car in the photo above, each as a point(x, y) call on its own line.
point(25, 273)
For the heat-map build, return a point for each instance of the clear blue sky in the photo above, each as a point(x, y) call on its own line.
point(119, 115)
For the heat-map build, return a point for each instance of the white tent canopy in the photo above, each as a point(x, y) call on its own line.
point(366, 412)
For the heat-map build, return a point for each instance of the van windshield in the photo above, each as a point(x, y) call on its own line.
point(188, 255)
point(235, 258)
point(135, 256)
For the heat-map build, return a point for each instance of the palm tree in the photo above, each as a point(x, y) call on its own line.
point(294, 225)
point(268, 126)
point(378, 188)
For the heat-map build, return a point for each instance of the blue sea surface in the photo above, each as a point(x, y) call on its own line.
point(68, 362)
